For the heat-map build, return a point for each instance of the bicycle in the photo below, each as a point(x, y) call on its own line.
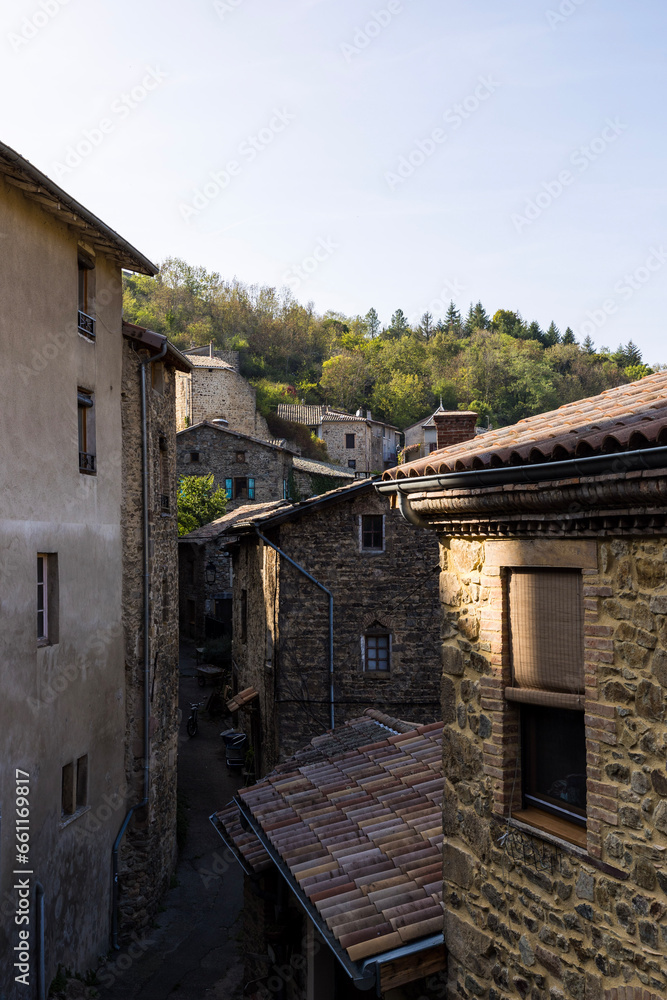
point(192, 725)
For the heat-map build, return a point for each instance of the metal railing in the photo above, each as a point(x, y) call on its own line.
point(86, 462)
point(86, 324)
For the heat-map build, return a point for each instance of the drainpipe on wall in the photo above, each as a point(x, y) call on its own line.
point(146, 670)
point(330, 596)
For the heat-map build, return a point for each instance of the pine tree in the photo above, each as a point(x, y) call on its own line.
point(568, 337)
point(552, 336)
point(399, 324)
point(588, 347)
point(452, 319)
point(633, 356)
point(426, 326)
point(534, 332)
point(480, 318)
point(373, 322)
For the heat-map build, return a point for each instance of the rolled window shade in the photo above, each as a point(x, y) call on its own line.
point(550, 699)
point(547, 630)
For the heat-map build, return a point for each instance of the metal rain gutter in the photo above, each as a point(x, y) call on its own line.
point(363, 979)
point(617, 462)
point(330, 596)
point(238, 857)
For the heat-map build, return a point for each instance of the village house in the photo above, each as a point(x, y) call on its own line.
point(421, 438)
point(249, 471)
point(333, 613)
point(554, 655)
point(342, 850)
point(213, 389)
point(355, 441)
point(75, 529)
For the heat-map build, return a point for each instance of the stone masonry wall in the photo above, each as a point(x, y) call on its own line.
point(583, 923)
point(218, 452)
point(207, 393)
point(367, 459)
point(148, 852)
point(397, 588)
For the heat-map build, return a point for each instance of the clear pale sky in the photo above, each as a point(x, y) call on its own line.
point(543, 188)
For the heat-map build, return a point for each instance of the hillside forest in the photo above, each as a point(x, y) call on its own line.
point(498, 364)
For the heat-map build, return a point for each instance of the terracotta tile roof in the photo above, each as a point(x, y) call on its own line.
point(242, 699)
point(622, 419)
point(360, 830)
point(203, 361)
point(322, 468)
point(312, 415)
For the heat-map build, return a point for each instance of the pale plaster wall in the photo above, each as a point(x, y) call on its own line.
point(65, 700)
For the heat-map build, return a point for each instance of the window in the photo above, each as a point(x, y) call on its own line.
point(372, 532)
point(349, 440)
point(244, 616)
point(244, 488)
point(351, 463)
point(285, 490)
point(157, 376)
point(74, 787)
point(240, 456)
point(547, 657)
point(194, 456)
point(433, 446)
point(86, 321)
point(376, 647)
point(47, 599)
point(229, 484)
point(86, 413)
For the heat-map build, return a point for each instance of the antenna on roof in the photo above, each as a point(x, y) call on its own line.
point(441, 406)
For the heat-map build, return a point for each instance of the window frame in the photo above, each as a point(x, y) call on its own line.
point(85, 295)
point(85, 400)
point(43, 598)
point(372, 635)
point(348, 438)
point(371, 549)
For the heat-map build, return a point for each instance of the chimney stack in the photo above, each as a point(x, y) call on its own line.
point(454, 426)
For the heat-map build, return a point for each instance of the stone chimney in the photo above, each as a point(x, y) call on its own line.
point(454, 426)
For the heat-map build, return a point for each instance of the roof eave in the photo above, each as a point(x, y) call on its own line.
point(129, 256)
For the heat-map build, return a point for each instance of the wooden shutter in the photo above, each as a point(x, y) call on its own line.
point(547, 637)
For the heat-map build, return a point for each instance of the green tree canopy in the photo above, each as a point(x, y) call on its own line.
point(198, 502)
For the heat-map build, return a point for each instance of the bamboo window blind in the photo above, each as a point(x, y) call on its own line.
point(547, 637)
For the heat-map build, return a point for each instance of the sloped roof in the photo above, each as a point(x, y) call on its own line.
point(322, 468)
point(236, 434)
point(155, 342)
point(625, 418)
point(312, 415)
point(203, 361)
point(358, 835)
point(36, 186)
point(210, 531)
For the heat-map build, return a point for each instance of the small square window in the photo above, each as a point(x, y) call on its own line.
point(349, 440)
point(351, 463)
point(194, 456)
point(372, 532)
point(377, 648)
point(240, 456)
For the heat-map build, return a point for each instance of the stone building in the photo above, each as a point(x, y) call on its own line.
point(246, 468)
point(67, 663)
point(249, 471)
point(147, 855)
point(355, 441)
point(216, 389)
point(421, 438)
point(554, 595)
point(335, 611)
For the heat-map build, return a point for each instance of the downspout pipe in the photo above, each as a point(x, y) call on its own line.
point(40, 971)
point(147, 660)
point(410, 515)
point(331, 606)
